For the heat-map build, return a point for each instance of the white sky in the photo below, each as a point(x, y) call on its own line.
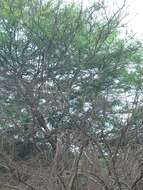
point(136, 23)
point(135, 11)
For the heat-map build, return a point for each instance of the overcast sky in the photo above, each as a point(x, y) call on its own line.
point(135, 11)
point(136, 24)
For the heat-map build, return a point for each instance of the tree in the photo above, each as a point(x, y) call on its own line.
point(65, 73)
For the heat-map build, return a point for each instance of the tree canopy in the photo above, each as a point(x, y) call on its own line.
point(70, 96)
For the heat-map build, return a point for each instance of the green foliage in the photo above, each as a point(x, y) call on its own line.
point(55, 59)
